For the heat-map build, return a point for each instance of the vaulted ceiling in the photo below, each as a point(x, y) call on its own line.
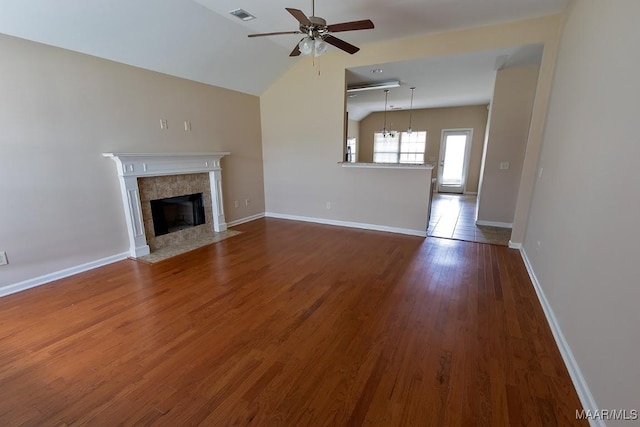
point(201, 41)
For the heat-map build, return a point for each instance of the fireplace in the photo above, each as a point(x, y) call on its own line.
point(145, 177)
point(173, 214)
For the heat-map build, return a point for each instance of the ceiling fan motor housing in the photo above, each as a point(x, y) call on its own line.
point(318, 27)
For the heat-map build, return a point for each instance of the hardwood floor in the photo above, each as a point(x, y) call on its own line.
point(290, 324)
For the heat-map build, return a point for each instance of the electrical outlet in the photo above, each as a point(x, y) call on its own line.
point(163, 124)
point(504, 165)
point(328, 205)
point(3, 258)
point(247, 202)
point(540, 173)
point(187, 125)
point(236, 204)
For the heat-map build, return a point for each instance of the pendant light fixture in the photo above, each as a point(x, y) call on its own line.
point(409, 130)
point(384, 127)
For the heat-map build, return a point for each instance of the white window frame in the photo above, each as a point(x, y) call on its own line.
point(397, 152)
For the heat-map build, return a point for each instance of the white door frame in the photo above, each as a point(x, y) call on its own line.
point(467, 156)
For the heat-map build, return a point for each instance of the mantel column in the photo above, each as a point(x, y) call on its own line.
point(131, 199)
point(219, 222)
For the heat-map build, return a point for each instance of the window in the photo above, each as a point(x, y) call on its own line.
point(385, 148)
point(412, 147)
point(399, 147)
point(352, 150)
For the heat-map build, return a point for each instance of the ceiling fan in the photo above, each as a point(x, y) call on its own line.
point(318, 32)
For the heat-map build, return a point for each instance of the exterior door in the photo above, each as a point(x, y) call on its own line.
point(455, 147)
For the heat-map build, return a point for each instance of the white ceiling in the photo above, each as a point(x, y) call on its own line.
point(198, 40)
point(448, 81)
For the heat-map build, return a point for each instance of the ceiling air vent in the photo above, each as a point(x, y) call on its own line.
point(242, 14)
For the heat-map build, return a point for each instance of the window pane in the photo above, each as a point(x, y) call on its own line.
point(412, 147)
point(385, 157)
point(413, 158)
point(385, 148)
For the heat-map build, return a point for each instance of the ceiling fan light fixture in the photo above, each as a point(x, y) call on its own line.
point(312, 46)
point(320, 47)
point(306, 46)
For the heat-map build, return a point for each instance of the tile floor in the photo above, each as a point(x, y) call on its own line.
point(186, 246)
point(453, 217)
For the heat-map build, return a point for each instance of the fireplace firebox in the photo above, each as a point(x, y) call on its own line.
point(177, 213)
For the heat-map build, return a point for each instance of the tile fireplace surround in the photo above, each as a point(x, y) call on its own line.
point(131, 166)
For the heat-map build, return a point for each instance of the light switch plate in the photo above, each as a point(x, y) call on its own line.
point(504, 165)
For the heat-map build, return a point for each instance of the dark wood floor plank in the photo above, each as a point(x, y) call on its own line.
point(288, 323)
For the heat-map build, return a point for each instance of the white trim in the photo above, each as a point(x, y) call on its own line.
point(470, 193)
point(349, 224)
point(494, 224)
point(514, 245)
point(246, 219)
point(159, 164)
point(56, 275)
point(584, 393)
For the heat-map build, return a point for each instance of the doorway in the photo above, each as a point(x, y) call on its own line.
point(453, 217)
point(455, 148)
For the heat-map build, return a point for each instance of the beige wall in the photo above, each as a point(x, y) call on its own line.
point(59, 110)
point(508, 129)
point(353, 129)
point(433, 120)
point(585, 207)
point(301, 151)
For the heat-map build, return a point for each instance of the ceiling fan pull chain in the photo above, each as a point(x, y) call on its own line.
point(315, 62)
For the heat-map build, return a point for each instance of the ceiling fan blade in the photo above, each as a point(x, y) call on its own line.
point(365, 24)
point(274, 34)
point(300, 16)
point(341, 44)
point(296, 50)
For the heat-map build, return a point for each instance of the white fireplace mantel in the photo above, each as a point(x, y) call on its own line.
point(131, 166)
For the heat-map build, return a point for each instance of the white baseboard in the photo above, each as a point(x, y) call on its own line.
point(349, 224)
point(494, 224)
point(584, 393)
point(514, 245)
point(470, 193)
point(246, 219)
point(56, 275)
